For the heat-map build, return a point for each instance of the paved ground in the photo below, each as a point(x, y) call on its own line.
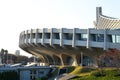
point(65, 76)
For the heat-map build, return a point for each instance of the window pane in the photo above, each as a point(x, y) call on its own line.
point(117, 39)
point(84, 37)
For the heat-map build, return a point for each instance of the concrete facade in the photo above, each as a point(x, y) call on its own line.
point(63, 46)
point(68, 46)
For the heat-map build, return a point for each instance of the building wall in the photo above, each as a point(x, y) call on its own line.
point(29, 73)
point(61, 45)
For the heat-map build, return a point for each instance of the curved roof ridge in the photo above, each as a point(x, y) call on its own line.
point(106, 22)
point(109, 17)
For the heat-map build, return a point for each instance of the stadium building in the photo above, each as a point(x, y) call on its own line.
point(73, 46)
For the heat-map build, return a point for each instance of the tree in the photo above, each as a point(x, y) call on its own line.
point(114, 57)
point(2, 54)
point(6, 56)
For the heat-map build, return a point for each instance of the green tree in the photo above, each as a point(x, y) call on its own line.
point(2, 54)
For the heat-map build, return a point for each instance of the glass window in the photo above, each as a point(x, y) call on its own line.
point(98, 37)
point(33, 35)
point(47, 35)
point(117, 39)
point(28, 36)
point(56, 36)
point(39, 35)
point(113, 38)
point(84, 37)
point(68, 36)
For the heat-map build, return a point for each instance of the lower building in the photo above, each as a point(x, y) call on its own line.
point(25, 73)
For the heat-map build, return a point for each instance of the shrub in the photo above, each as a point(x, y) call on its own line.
point(43, 78)
point(98, 74)
point(116, 73)
point(84, 70)
point(9, 75)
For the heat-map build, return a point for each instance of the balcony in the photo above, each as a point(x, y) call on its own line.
point(67, 42)
point(97, 44)
point(56, 41)
point(47, 41)
point(80, 43)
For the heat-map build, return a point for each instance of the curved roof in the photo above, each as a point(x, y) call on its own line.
point(105, 22)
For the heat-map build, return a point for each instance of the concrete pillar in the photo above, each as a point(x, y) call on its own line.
point(61, 59)
point(53, 60)
point(23, 40)
point(105, 39)
point(88, 38)
point(98, 12)
point(36, 37)
point(46, 60)
point(75, 63)
point(61, 37)
point(43, 36)
point(51, 37)
point(26, 36)
point(74, 37)
point(31, 36)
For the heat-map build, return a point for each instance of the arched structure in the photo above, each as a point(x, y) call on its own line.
point(63, 45)
point(68, 46)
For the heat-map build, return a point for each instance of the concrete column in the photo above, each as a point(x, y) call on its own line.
point(36, 37)
point(23, 40)
point(54, 63)
point(27, 37)
point(31, 36)
point(74, 37)
point(98, 12)
point(51, 37)
point(61, 37)
point(105, 39)
point(43, 36)
point(46, 60)
point(88, 38)
point(61, 59)
point(75, 60)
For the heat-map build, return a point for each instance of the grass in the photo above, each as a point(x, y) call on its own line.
point(76, 70)
point(108, 74)
point(81, 71)
point(85, 73)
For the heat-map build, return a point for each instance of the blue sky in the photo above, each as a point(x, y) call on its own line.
point(19, 15)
